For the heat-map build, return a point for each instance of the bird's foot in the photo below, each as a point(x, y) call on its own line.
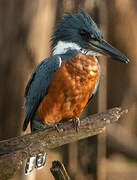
point(57, 128)
point(76, 122)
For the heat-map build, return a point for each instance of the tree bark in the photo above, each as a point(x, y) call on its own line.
point(58, 171)
point(17, 149)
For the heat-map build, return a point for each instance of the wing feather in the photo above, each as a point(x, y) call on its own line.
point(38, 84)
point(96, 86)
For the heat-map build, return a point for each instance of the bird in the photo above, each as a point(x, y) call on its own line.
point(63, 84)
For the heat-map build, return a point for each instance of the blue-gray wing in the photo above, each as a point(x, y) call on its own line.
point(96, 86)
point(38, 84)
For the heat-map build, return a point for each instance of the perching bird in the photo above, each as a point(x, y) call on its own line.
point(61, 86)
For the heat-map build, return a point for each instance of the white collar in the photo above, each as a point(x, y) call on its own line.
point(62, 47)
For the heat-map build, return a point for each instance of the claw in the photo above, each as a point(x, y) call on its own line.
point(57, 128)
point(76, 121)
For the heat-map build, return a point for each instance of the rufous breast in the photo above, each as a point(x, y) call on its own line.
point(70, 89)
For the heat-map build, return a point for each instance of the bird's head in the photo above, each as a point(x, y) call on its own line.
point(78, 31)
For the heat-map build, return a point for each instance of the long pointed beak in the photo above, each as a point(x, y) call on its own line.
point(105, 48)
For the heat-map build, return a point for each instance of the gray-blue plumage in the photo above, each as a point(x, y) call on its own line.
point(76, 33)
point(38, 84)
point(68, 29)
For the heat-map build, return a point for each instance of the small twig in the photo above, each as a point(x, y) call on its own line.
point(58, 171)
point(15, 150)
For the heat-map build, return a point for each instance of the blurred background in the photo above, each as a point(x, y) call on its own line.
point(25, 30)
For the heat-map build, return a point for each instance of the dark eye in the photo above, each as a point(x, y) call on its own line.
point(83, 32)
point(85, 35)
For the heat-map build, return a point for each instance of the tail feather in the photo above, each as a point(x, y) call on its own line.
point(29, 116)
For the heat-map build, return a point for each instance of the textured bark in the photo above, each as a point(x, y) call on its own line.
point(16, 150)
point(58, 171)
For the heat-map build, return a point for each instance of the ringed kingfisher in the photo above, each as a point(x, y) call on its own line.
point(62, 85)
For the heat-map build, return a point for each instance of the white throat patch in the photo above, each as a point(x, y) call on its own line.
point(62, 47)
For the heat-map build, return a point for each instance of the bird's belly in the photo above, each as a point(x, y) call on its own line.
point(69, 89)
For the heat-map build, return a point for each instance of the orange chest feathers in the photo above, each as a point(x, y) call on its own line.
point(69, 89)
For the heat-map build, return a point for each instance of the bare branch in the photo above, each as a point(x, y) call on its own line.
point(15, 150)
point(58, 171)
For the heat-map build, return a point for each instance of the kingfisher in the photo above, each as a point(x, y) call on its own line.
point(64, 83)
